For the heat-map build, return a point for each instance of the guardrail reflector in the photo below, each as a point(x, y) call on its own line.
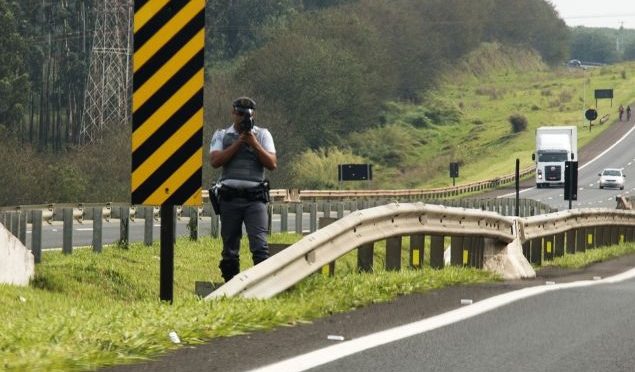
point(415, 257)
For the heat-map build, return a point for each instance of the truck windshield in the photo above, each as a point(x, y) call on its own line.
point(552, 157)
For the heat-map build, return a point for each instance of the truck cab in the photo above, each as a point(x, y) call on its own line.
point(554, 146)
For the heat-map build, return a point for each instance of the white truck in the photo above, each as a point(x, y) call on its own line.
point(554, 146)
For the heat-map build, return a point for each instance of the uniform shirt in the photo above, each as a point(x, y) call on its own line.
point(263, 136)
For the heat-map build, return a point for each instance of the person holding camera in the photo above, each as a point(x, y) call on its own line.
point(243, 150)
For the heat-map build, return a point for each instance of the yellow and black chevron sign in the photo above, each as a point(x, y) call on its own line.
point(167, 102)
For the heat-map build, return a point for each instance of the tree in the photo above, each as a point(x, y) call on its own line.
point(593, 45)
point(321, 86)
point(14, 80)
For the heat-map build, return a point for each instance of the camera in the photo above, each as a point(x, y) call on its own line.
point(247, 122)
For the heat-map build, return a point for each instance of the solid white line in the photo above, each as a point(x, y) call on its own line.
point(585, 164)
point(346, 348)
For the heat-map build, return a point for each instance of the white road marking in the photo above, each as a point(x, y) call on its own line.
point(346, 348)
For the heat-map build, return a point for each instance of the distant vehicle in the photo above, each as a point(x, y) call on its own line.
point(554, 146)
point(574, 63)
point(612, 177)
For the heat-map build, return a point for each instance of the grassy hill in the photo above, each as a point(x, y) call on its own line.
point(466, 119)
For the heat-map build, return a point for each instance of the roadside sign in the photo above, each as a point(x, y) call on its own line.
point(591, 114)
point(167, 114)
point(355, 172)
point(167, 102)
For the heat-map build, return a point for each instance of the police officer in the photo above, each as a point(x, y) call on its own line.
point(244, 150)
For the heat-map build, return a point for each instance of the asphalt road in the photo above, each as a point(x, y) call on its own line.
point(584, 329)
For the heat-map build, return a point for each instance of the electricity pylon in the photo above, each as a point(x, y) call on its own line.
point(108, 84)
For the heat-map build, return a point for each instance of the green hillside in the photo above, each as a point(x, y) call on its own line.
point(466, 119)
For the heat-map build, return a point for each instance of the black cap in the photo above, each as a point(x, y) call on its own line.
point(243, 104)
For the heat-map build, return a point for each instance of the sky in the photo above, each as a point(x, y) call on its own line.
point(597, 13)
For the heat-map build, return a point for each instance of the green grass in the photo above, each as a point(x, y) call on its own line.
point(576, 261)
point(87, 310)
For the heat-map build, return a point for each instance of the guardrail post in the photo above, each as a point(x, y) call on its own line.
point(580, 240)
point(601, 238)
point(365, 254)
point(614, 232)
point(15, 224)
point(284, 218)
point(628, 234)
point(417, 248)
point(192, 224)
point(479, 252)
point(456, 251)
point(559, 245)
point(67, 246)
point(97, 229)
point(393, 253)
point(340, 209)
point(22, 223)
point(148, 225)
point(535, 251)
point(36, 235)
point(436, 251)
point(326, 209)
point(299, 214)
point(571, 241)
point(313, 217)
point(124, 227)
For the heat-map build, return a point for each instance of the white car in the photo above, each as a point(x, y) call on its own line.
point(612, 177)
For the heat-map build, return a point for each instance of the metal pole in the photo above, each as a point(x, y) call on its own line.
point(517, 187)
point(570, 184)
point(167, 253)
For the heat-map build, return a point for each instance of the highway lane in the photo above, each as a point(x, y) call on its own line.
point(579, 326)
point(620, 154)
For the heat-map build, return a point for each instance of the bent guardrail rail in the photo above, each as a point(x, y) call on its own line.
point(503, 238)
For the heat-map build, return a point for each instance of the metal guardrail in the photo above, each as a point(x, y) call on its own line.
point(17, 220)
point(540, 238)
point(471, 233)
point(295, 195)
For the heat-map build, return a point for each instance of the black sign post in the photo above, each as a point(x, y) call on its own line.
point(570, 181)
point(454, 171)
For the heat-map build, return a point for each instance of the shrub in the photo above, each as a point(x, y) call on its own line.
point(318, 169)
point(518, 123)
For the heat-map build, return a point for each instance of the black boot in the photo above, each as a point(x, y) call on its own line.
point(229, 269)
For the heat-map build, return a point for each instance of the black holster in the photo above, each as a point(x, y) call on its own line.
point(214, 198)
